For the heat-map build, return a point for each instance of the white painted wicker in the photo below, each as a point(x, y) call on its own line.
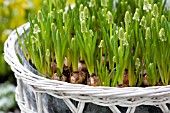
point(130, 97)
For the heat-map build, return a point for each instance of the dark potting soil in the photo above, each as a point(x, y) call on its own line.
point(55, 105)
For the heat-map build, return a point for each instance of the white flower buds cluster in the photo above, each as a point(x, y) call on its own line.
point(155, 11)
point(109, 17)
point(163, 19)
point(146, 6)
point(127, 18)
point(101, 45)
point(162, 36)
point(92, 3)
point(64, 17)
point(51, 14)
point(84, 13)
point(104, 3)
point(47, 52)
point(121, 34)
point(122, 37)
point(81, 8)
point(83, 27)
point(143, 22)
point(153, 22)
point(148, 33)
point(36, 29)
point(137, 63)
point(91, 33)
point(136, 15)
point(34, 39)
point(40, 16)
point(52, 26)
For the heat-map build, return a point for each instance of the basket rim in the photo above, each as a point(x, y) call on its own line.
point(45, 83)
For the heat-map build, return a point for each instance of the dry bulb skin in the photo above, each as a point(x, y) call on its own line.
point(125, 79)
point(55, 76)
point(62, 78)
point(93, 81)
point(145, 80)
point(53, 66)
point(82, 66)
point(77, 77)
point(99, 44)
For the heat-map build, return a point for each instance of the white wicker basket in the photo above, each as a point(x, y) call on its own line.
point(130, 97)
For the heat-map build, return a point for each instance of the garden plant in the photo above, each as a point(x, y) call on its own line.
point(99, 43)
point(93, 56)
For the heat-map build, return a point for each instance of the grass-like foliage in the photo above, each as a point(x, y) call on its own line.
point(100, 42)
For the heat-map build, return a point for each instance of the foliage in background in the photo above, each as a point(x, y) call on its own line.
point(13, 13)
point(7, 97)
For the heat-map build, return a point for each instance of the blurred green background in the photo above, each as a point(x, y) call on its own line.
point(13, 13)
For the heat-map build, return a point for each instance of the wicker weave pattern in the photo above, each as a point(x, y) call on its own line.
point(130, 97)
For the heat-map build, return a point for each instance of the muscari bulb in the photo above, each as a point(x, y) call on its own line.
point(136, 15)
point(121, 34)
point(146, 6)
point(64, 17)
point(83, 27)
point(143, 22)
point(155, 11)
point(127, 18)
point(104, 3)
point(86, 12)
point(109, 17)
point(81, 8)
point(162, 36)
point(148, 33)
